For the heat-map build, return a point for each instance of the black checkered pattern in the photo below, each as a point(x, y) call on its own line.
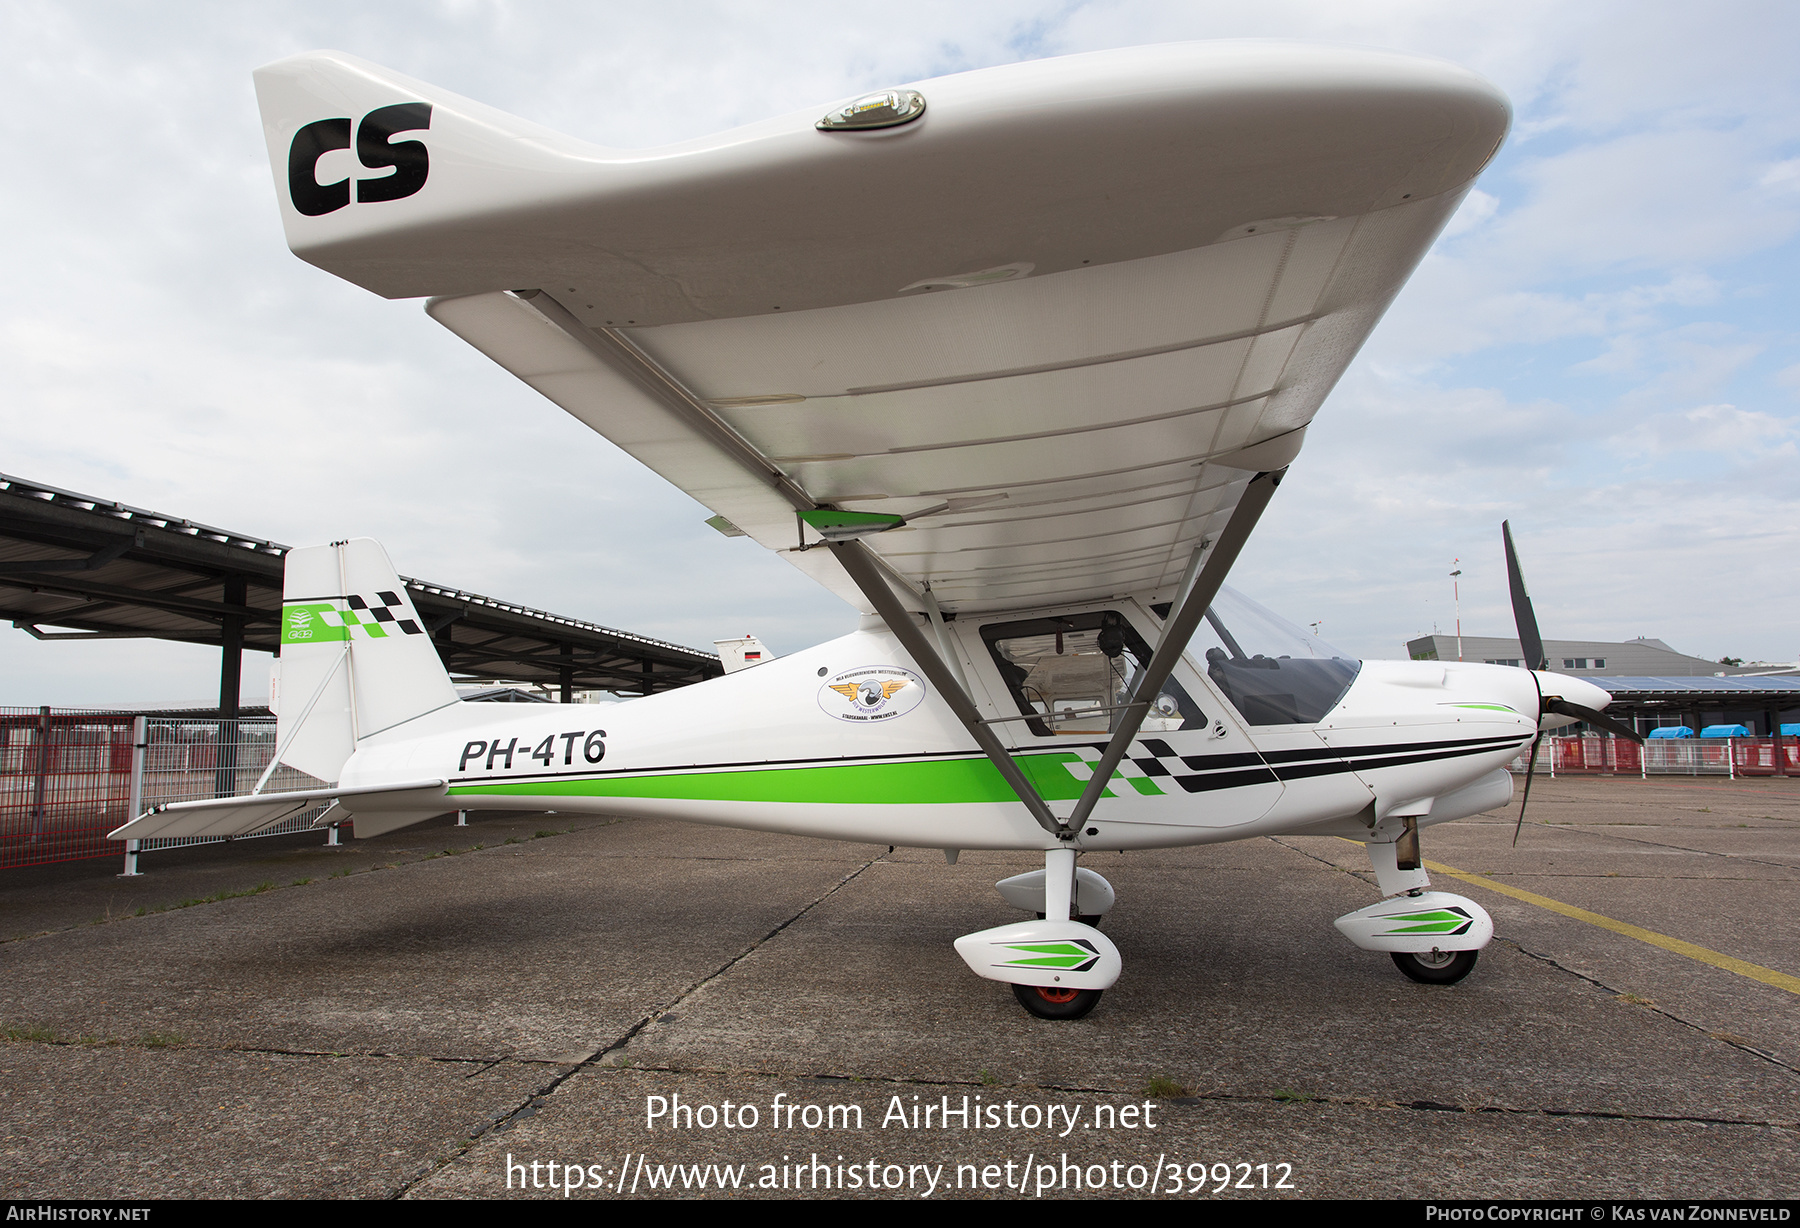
point(1155, 760)
point(382, 611)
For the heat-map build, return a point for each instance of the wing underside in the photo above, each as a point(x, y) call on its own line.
point(1057, 326)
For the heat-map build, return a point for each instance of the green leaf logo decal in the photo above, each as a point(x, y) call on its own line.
point(1435, 921)
point(1078, 956)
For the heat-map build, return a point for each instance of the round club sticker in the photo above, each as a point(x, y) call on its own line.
point(871, 693)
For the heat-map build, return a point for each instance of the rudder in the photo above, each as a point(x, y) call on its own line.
point(355, 656)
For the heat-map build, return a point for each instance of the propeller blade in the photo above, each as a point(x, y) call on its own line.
point(1530, 642)
point(1530, 764)
point(1530, 767)
point(1564, 708)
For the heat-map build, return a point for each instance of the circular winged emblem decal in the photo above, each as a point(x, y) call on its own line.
point(871, 693)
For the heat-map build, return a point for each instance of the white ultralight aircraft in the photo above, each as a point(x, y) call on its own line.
point(1012, 360)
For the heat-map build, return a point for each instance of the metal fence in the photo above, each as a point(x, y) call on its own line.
point(68, 778)
point(1593, 754)
point(65, 781)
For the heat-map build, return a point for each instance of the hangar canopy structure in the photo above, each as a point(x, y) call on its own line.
point(1758, 701)
point(98, 569)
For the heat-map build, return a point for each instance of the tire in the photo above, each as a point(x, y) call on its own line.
point(1436, 967)
point(1051, 1002)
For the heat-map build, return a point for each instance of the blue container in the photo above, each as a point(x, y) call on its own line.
point(1672, 731)
point(1725, 731)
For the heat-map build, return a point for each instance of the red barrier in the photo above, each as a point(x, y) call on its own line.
point(1765, 756)
point(1592, 754)
point(65, 781)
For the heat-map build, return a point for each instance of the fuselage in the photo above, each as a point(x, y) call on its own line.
point(847, 741)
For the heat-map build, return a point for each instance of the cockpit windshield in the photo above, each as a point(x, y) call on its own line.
point(1273, 672)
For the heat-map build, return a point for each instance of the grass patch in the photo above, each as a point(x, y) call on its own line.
point(160, 1040)
point(216, 896)
point(1632, 999)
point(31, 1032)
point(1163, 1086)
point(540, 835)
point(1283, 1096)
point(989, 1079)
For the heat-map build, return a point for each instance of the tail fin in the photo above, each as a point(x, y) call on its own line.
point(362, 154)
point(355, 658)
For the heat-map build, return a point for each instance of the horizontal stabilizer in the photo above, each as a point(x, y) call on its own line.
point(367, 823)
point(239, 816)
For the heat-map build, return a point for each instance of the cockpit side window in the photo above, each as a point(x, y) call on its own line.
point(1074, 674)
point(1272, 672)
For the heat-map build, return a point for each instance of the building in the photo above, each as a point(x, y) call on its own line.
point(1641, 657)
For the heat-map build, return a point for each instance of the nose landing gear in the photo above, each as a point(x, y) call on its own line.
point(1433, 936)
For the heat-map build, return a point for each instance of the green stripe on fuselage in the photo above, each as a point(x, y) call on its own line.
point(907, 783)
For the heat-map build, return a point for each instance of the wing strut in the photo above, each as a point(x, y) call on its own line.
point(1177, 631)
point(614, 349)
point(860, 564)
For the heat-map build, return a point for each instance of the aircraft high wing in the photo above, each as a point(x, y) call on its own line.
point(1012, 360)
point(1055, 319)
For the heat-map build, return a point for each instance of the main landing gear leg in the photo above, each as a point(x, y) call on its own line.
point(1059, 883)
point(1057, 967)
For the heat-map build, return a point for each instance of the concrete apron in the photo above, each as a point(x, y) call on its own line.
point(433, 1025)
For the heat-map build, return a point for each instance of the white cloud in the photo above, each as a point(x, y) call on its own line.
point(1741, 434)
point(1782, 177)
point(1475, 210)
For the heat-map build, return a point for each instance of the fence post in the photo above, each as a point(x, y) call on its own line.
point(43, 775)
point(1731, 758)
point(140, 745)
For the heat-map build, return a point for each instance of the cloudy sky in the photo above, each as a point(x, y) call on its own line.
point(1603, 348)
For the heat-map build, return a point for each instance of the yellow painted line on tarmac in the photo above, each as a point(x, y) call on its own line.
point(1756, 972)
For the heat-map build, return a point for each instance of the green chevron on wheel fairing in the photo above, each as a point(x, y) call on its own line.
point(1050, 955)
point(913, 782)
point(1438, 922)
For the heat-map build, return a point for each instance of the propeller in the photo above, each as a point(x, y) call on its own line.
point(1532, 645)
point(1529, 640)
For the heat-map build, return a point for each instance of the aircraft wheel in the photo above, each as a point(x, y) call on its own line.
point(1435, 967)
point(1054, 1002)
